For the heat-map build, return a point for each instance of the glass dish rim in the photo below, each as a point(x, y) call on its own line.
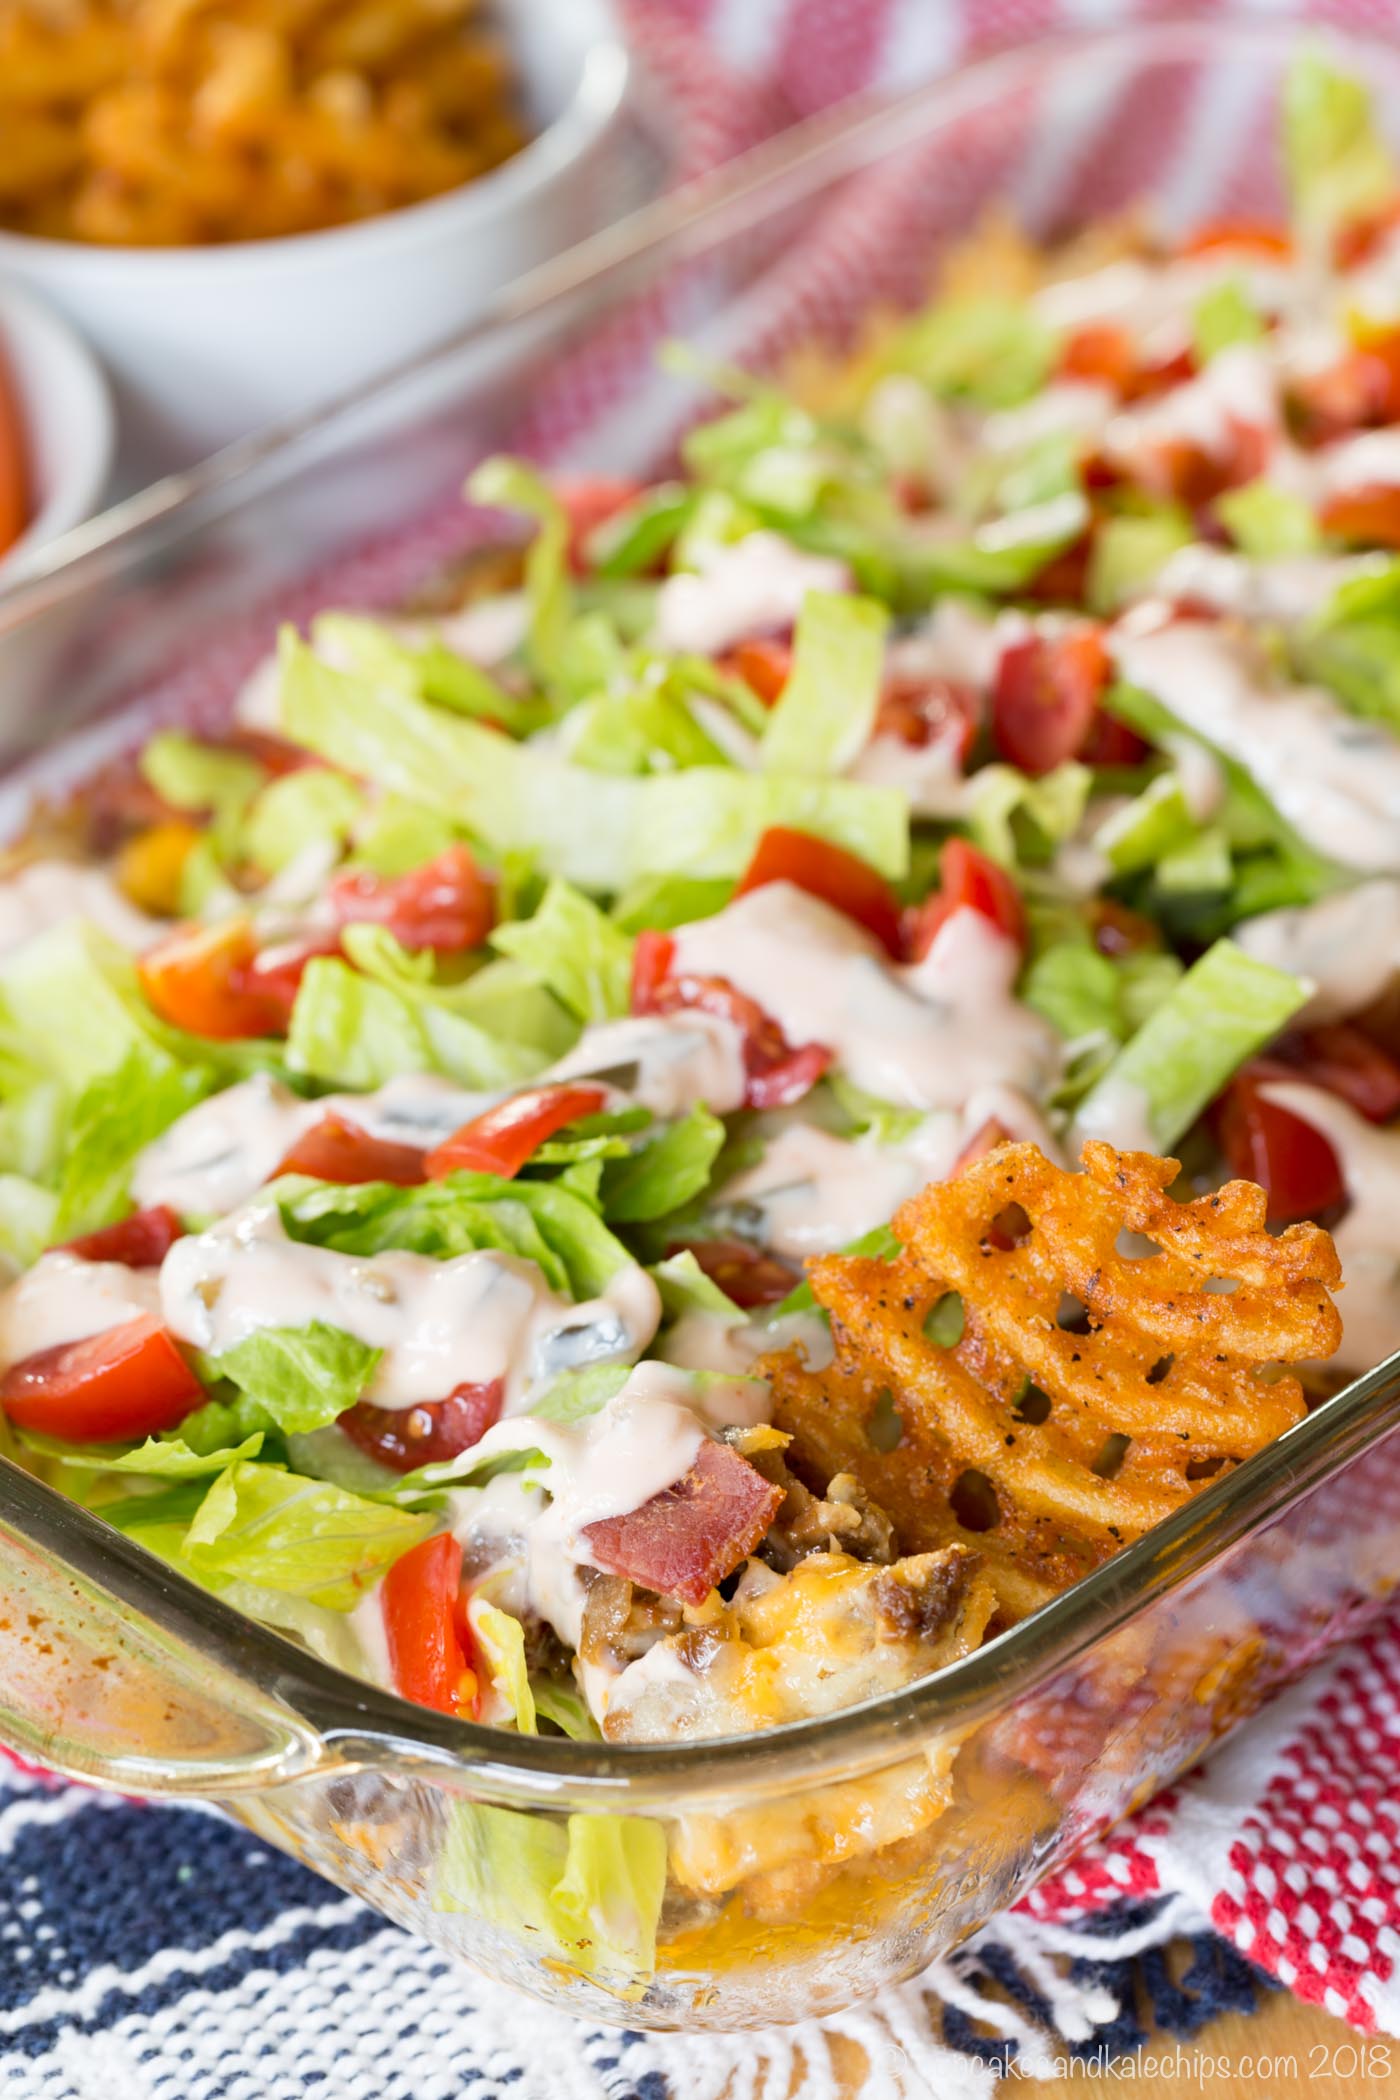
point(367, 1724)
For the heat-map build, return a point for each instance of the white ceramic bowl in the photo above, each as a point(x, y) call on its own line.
point(66, 410)
point(204, 344)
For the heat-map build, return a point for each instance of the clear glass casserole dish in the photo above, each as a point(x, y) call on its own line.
point(809, 1865)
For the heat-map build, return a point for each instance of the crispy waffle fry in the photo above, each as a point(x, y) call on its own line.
point(1093, 1386)
point(159, 122)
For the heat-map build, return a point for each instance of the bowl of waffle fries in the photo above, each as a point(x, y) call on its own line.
point(248, 206)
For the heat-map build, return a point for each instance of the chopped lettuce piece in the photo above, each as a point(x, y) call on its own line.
point(1199, 866)
point(565, 1706)
point(1130, 552)
point(636, 537)
point(302, 1538)
point(1358, 660)
point(117, 1114)
point(664, 901)
point(824, 715)
point(396, 835)
point(598, 830)
point(28, 1219)
point(885, 1121)
point(201, 777)
point(1225, 1008)
point(1339, 169)
point(999, 558)
point(586, 1894)
point(296, 1379)
point(428, 669)
point(171, 1458)
point(646, 728)
point(1020, 821)
point(1154, 823)
point(992, 352)
point(315, 806)
point(664, 1172)
point(575, 950)
point(1268, 523)
point(537, 1220)
point(1224, 316)
point(685, 1287)
point(508, 484)
point(500, 1640)
point(574, 1395)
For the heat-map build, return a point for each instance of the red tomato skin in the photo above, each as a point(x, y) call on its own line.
point(838, 878)
point(274, 977)
point(422, 1626)
point(142, 1241)
point(446, 905)
point(1249, 236)
point(1369, 514)
point(969, 879)
point(748, 1277)
point(1112, 743)
point(130, 1381)
point(199, 979)
point(776, 1073)
point(405, 1437)
point(764, 666)
point(1102, 354)
point(502, 1139)
point(652, 957)
point(1262, 1142)
point(1343, 1059)
point(1046, 696)
point(334, 1150)
point(922, 711)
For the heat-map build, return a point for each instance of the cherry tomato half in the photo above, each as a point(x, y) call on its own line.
point(968, 880)
point(424, 1626)
point(130, 1381)
point(501, 1139)
point(838, 878)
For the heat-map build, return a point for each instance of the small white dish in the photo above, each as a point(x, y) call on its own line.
point(205, 344)
point(65, 408)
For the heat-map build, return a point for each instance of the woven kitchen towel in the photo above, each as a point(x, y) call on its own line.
point(162, 1954)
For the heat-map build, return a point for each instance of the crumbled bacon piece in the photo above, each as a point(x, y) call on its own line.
point(689, 1537)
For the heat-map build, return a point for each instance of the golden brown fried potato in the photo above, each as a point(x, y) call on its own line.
point(160, 122)
point(1093, 1389)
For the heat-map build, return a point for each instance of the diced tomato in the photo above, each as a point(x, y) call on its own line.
point(776, 1074)
point(968, 880)
point(922, 711)
point(1371, 515)
point(1065, 578)
point(1100, 353)
point(201, 979)
point(130, 1381)
point(764, 666)
point(652, 956)
point(746, 1276)
point(1358, 239)
point(142, 1241)
point(1293, 1163)
point(1343, 1059)
point(274, 975)
point(690, 1536)
point(405, 1437)
point(1249, 236)
point(334, 1150)
point(588, 503)
point(445, 905)
point(14, 462)
point(984, 1139)
point(840, 879)
point(1182, 472)
point(424, 1627)
point(500, 1140)
point(1046, 696)
point(1111, 743)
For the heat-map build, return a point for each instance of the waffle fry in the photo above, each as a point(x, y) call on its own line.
point(159, 122)
point(1092, 1389)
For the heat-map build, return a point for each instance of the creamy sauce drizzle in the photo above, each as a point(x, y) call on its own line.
point(753, 587)
point(64, 1299)
point(1336, 779)
point(440, 1324)
point(924, 1037)
point(47, 893)
point(1347, 946)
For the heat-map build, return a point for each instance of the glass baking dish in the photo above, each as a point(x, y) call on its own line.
point(810, 1865)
